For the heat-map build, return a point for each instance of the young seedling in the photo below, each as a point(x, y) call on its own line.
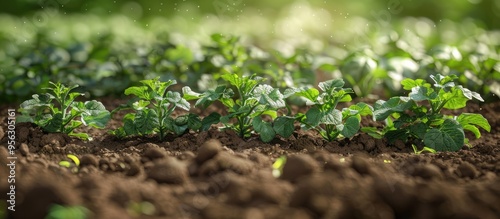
point(323, 117)
point(247, 101)
point(425, 149)
point(418, 116)
point(73, 166)
point(57, 111)
point(153, 107)
point(137, 209)
point(65, 212)
point(278, 166)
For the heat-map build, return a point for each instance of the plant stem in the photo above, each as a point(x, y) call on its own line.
point(160, 120)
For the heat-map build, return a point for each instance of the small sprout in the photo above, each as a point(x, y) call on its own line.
point(67, 164)
point(278, 166)
point(387, 161)
point(425, 149)
point(66, 212)
point(141, 208)
point(74, 159)
point(342, 160)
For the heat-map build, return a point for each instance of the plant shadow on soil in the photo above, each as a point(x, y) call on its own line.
point(216, 174)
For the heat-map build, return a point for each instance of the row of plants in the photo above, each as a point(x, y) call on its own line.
point(255, 108)
point(107, 62)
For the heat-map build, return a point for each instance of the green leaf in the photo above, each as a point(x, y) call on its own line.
point(351, 127)
point(129, 126)
point(184, 104)
point(208, 121)
point(24, 118)
point(141, 92)
point(72, 125)
point(419, 93)
point(119, 132)
point(82, 135)
point(346, 97)
point(469, 121)
point(309, 93)
point(188, 94)
point(331, 85)
point(313, 117)
point(272, 113)
point(470, 94)
point(95, 114)
point(176, 128)
point(194, 122)
point(449, 137)
point(363, 109)
point(38, 103)
point(393, 135)
point(209, 96)
point(257, 124)
point(146, 121)
point(274, 98)
point(332, 118)
point(181, 120)
point(265, 129)
point(267, 133)
point(456, 99)
point(173, 97)
point(140, 105)
point(54, 124)
point(419, 130)
point(289, 92)
point(176, 98)
point(409, 83)
point(245, 84)
point(372, 131)
point(284, 126)
point(384, 109)
point(157, 86)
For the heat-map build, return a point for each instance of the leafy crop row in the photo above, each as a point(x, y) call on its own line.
point(104, 64)
point(253, 107)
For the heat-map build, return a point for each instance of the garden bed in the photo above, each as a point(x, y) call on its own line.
point(217, 174)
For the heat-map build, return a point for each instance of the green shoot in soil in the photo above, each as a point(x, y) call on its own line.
point(153, 107)
point(324, 117)
point(425, 149)
point(247, 102)
point(57, 111)
point(66, 212)
point(418, 116)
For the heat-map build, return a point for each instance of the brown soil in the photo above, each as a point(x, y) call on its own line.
point(216, 174)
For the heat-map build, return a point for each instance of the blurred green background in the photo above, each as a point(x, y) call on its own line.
point(106, 46)
point(485, 12)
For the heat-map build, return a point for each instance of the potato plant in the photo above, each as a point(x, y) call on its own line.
point(57, 111)
point(247, 102)
point(153, 108)
point(418, 117)
point(324, 117)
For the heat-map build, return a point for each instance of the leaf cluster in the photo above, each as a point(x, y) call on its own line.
point(58, 111)
point(324, 116)
point(418, 116)
point(152, 107)
point(251, 106)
